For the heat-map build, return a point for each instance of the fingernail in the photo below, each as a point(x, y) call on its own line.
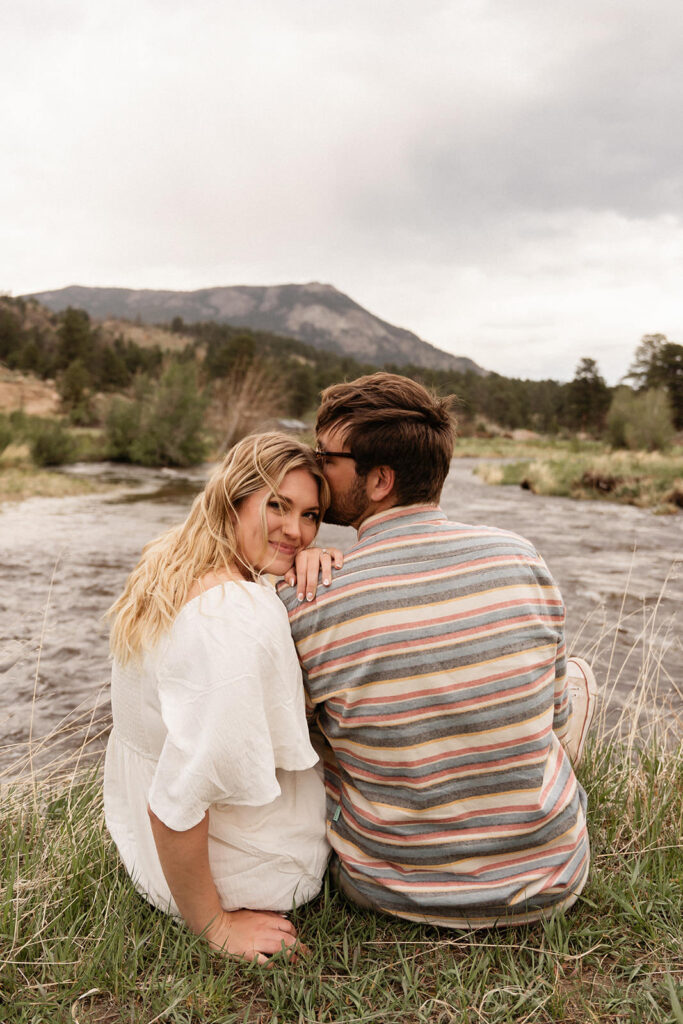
point(326, 582)
point(299, 597)
point(309, 597)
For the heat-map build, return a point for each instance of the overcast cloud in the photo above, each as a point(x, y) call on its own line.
point(503, 177)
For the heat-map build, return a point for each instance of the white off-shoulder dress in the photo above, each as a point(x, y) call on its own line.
point(214, 718)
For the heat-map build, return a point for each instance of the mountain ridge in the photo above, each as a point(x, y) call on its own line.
point(315, 313)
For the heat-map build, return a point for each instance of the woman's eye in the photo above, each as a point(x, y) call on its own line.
point(313, 516)
point(276, 506)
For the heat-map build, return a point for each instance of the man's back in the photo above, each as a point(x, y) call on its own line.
point(436, 664)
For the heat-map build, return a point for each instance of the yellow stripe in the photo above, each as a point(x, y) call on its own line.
point(460, 865)
point(475, 670)
point(404, 615)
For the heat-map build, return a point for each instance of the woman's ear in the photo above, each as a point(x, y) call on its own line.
point(380, 483)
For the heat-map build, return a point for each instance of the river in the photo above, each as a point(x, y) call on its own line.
point(64, 560)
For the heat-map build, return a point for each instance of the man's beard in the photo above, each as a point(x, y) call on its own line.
point(349, 508)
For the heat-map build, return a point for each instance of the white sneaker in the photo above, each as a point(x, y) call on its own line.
point(583, 689)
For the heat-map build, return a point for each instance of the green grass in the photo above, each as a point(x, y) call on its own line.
point(646, 479)
point(19, 432)
point(508, 447)
point(21, 478)
point(78, 944)
point(18, 482)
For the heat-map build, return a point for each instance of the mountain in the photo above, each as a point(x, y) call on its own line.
point(315, 313)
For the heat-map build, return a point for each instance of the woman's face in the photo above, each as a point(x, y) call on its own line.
point(292, 517)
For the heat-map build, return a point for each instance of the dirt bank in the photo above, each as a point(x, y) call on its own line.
point(35, 397)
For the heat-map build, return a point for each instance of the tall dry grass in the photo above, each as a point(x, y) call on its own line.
point(243, 402)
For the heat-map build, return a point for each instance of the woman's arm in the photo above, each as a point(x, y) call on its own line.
point(184, 858)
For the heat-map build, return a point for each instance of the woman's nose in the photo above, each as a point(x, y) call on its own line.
point(292, 526)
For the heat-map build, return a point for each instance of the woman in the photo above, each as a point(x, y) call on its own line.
point(211, 790)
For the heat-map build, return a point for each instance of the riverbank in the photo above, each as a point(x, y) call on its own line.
point(20, 475)
point(581, 469)
point(19, 482)
point(78, 944)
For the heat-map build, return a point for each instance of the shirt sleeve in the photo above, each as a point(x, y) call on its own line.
point(232, 702)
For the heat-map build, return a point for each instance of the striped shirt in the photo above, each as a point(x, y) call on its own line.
point(435, 665)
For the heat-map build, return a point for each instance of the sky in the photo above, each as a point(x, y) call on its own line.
point(502, 177)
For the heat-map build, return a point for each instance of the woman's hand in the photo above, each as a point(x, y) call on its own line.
point(307, 567)
point(184, 858)
point(254, 934)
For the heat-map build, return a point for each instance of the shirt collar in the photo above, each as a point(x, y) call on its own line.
point(405, 515)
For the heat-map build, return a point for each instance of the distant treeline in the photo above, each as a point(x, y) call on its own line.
point(74, 351)
point(35, 340)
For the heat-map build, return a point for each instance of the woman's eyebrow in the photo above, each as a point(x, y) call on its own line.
point(287, 503)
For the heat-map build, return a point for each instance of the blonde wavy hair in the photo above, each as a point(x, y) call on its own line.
point(159, 585)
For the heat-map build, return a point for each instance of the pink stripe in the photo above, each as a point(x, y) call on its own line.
point(320, 671)
point(420, 714)
point(451, 686)
point(484, 609)
point(398, 515)
point(417, 783)
point(349, 751)
point(383, 581)
point(480, 748)
point(427, 838)
point(456, 886)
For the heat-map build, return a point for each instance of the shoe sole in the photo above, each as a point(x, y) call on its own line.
point(584, 684)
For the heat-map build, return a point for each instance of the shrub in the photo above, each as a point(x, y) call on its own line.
point(163, 424)
point(26, 427)
point(75, 386)
point(122, 427)
point(52, 446)
point(640, 421)
point(5, 433)
point(19, 422)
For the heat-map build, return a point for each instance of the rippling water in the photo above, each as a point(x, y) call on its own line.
point(65, 560)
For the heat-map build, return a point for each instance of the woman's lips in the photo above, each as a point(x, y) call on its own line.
point(283, 549)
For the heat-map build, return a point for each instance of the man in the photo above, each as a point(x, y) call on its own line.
point(435, 665)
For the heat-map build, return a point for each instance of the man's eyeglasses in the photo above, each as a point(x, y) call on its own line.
point(322, 453)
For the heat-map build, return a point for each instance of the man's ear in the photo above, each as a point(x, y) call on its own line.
point(380, 483)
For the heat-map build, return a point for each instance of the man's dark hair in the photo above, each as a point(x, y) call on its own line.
point(388, 420)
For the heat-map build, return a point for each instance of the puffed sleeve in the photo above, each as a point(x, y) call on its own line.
point(232, 702)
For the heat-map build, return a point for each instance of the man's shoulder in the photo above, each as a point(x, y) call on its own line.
point(443, 540)
point(451, 531)
point(492, 534)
